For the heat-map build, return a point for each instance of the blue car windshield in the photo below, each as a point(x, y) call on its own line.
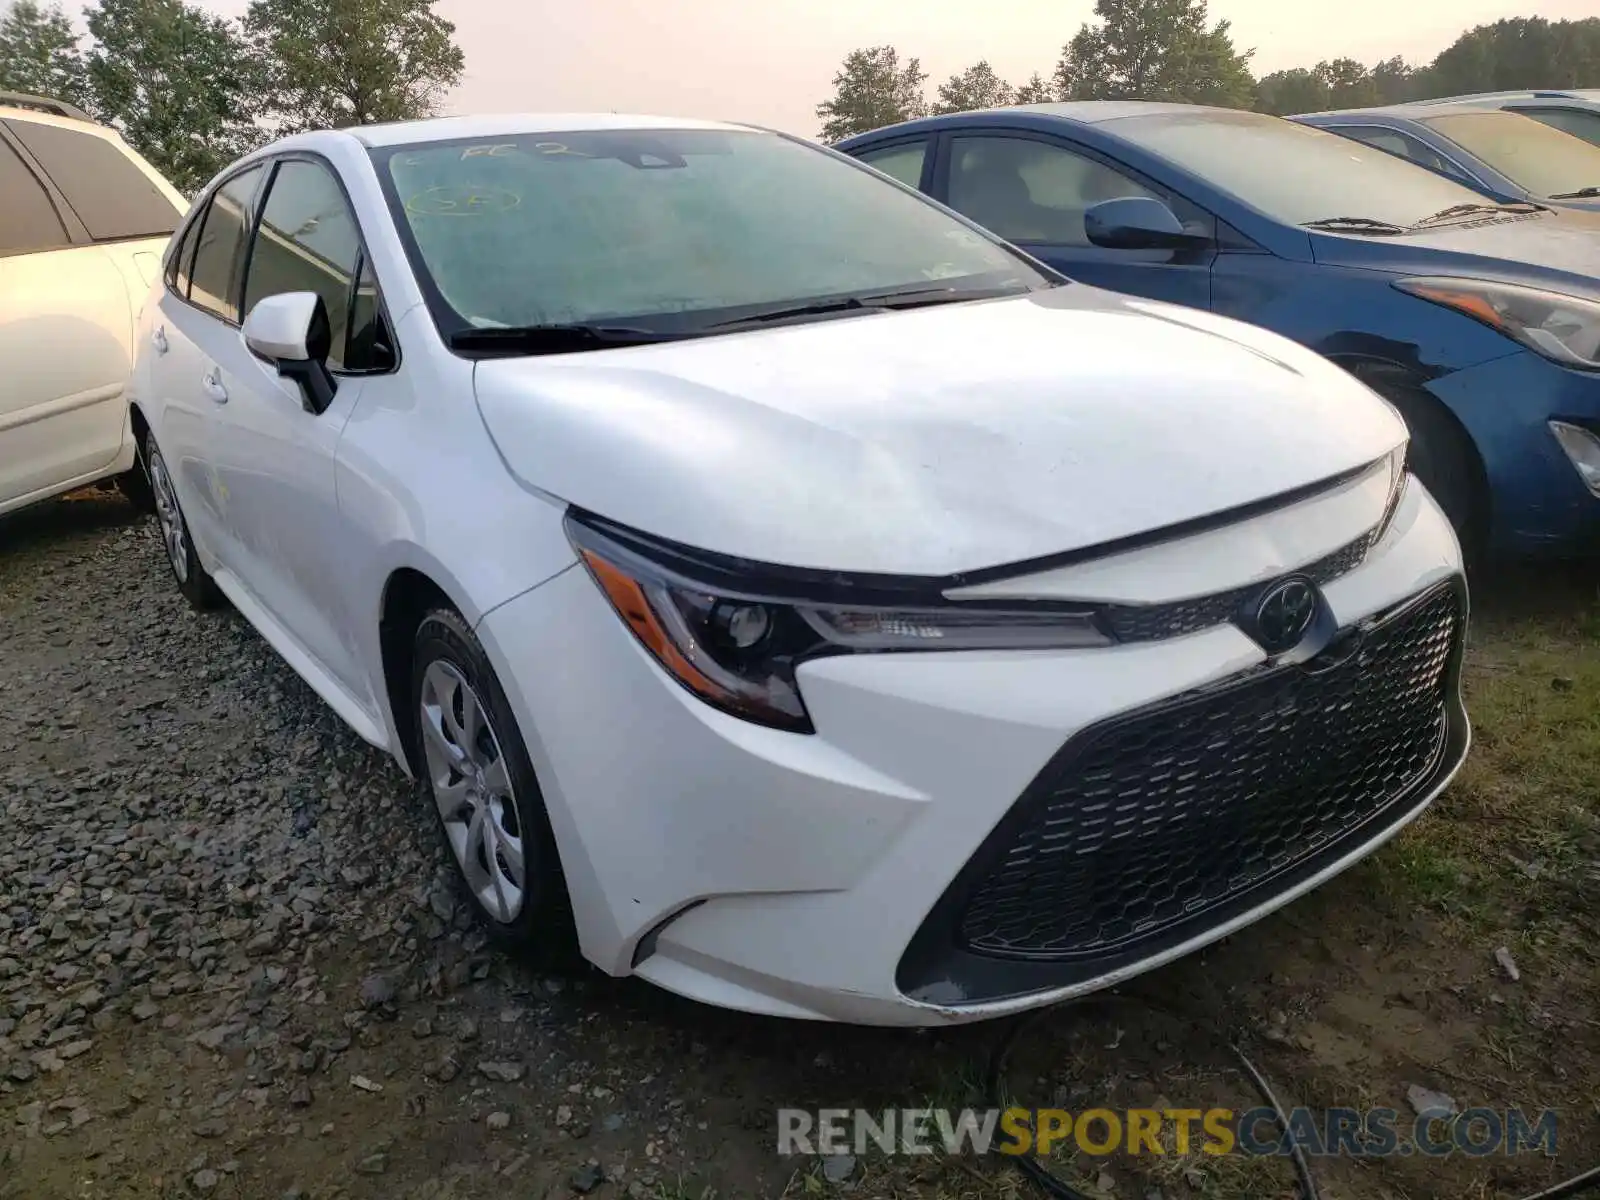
point(668, 228)
point(1294, 173)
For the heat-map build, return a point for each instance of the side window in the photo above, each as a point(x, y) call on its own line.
point(308, 242)
point(112, 197)
point(1032, 191)
point(902, 162)
point(224, 227)
point(182, 260)
point(28, 221)
point(1402, 145)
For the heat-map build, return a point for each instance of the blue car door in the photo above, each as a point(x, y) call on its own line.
point(1033, 189)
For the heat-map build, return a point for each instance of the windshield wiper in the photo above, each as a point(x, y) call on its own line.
point(1581, 194)
point(1463, 210)
point(556, 339)
point(788, 312)
point(924, 297)
point(1356, 225)
point(921, 297)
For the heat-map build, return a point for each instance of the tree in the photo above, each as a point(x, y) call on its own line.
point(976, 87)
point(1035, 91)
point(1296, 90)
point(178, 82)
point(1155, 50)
point(1349, 84)
point(331, 64)
point(1397, 81)
point(1520, 52)
point(872, 90)
point(39, 53)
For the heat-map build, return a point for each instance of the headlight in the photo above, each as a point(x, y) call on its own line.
point(734, 633)
point(1398, 474)
point(1565, 329)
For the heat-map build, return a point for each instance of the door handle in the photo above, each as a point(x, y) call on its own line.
point(158, 339)
point(212, 383)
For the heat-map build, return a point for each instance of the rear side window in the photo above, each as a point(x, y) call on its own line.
point(112, 197)
point(219, 254)
point(902, 162)
point(28, 221)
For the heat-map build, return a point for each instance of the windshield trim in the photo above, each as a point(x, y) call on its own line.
point(449, 322)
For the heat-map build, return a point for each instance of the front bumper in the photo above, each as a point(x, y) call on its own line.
point(1539, 505)
point(791, 874)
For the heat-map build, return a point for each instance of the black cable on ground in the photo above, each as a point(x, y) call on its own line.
point(1052, 1185)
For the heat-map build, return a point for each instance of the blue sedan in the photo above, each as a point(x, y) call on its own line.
point(1480, 322)
point(1505, 155)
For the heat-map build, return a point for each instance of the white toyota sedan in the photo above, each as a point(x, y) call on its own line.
point(799, 597)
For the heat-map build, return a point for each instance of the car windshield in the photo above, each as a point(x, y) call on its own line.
point(669, 229)
point(1532, 155)
point(1294, 173)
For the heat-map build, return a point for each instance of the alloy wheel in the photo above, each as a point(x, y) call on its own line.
point(168, 516)
point(472, 788)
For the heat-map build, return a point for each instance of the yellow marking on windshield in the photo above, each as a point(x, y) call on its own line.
point(462, 201)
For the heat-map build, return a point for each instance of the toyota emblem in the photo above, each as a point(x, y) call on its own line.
point(1283, 614)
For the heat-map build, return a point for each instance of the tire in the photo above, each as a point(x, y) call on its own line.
point(493, 811)
point(1442, 456)
point(134, 485)
point(197, 586)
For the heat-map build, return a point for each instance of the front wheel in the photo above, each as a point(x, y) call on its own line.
point(476, 769)
point(197, 586)
point(1442, 456)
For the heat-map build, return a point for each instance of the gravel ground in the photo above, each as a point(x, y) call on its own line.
point(232, 962)
point(231, 958)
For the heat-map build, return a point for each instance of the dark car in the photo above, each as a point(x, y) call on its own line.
point(1480, 322)
point(1508, 156)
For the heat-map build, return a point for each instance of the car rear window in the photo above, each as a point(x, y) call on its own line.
point(112, 197)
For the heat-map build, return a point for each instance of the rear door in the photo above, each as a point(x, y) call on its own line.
point(65, 330)
point(199, 306)
point(1033, 190)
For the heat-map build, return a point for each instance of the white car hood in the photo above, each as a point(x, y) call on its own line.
point(934, 441)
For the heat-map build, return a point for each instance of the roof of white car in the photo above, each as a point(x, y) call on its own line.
point(504, 124)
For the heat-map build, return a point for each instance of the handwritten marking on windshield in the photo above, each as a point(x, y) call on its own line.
point(497, 151)
point(460, 201)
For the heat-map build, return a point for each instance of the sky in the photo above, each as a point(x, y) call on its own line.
point(770, 62)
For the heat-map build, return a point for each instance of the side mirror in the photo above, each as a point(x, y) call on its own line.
point(1137, 223)
point(292, 333)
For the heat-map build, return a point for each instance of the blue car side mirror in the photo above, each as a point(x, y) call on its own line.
point(1136, 223)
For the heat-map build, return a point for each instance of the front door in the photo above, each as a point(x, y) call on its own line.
point(1033, 191)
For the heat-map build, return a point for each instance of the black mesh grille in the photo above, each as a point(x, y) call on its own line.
point(1158, 816)
point(1154, 622)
